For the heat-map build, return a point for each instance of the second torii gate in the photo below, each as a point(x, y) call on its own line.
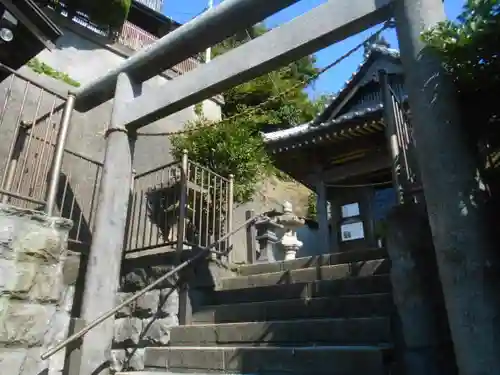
point(447, 167)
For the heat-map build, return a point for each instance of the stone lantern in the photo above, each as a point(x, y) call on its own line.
point(290, 222)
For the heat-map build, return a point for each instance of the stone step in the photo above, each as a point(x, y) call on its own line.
point(353, 306)
point(307, 275)
point(313, 261)
point(331, 360)
point(344, 331)
point(324, 288)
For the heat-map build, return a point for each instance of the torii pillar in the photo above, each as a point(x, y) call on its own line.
point(468, 267)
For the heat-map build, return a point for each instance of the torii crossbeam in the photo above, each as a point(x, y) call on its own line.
point(447, 167)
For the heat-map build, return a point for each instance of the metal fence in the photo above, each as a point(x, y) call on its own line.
point(29, 125)
point(136, 38)
point(30, 120)
point(172, 206)
point(402, 145)
point(172, 209)
point(77, 196)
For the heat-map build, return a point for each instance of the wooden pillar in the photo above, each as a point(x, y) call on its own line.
point(322, 214)
point(103, 269)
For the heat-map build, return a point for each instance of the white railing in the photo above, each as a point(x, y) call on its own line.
point(136, 38)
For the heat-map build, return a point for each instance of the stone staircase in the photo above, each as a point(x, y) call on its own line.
point(318, 315)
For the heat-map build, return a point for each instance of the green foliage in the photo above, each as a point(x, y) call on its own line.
point(469, 47)
point(42, 68)
point(312, 212)
point(235, 146)
point(228, 148)
point(198, 109)
point(290, 106)
point(112, 13)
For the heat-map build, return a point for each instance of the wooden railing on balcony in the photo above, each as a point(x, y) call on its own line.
point(136, 38)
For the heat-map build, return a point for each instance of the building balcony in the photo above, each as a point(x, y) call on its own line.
point(135, 38)
point(131, 36)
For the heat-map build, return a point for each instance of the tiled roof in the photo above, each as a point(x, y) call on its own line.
point(374, 50)
point(316, 125)
point(309, 127)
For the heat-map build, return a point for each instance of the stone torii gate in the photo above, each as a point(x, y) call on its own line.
point(447, 167)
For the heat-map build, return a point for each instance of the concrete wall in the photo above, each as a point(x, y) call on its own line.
point(37, 277)
point(84, 56)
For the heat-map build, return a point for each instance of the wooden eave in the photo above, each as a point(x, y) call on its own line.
point(28, 13)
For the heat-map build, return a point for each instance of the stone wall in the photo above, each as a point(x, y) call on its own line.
point(37, 282)
point(147, 321)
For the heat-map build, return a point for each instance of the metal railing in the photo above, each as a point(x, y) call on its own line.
point(29, 140)
point(170, 208)
point(401, 143)
point(37, 172)
point(136, 38)
point(205, 251)
point(77, 196)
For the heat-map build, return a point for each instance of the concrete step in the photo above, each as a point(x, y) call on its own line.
point(333, 360)
point(344, 331)
point(307, 275)
point(353, 306)
point(324, 288)
point(313, 261)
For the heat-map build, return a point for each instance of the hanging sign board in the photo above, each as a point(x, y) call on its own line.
point(352, 231)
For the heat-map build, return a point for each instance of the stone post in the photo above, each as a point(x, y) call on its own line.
point(290, 222)
point(267, 239)
point(468, 263)
point(37, 283)
point(103, 270)
point(425, 340)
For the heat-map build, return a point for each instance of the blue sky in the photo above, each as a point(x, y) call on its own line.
point(332, 80)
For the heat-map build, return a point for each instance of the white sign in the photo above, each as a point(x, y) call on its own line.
point(353, 231)
point(350, 210)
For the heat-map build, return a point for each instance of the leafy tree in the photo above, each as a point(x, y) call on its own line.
point(286, 110)
point(469, 47)
point(268, 102)
point(228, 148)
point(469, 50)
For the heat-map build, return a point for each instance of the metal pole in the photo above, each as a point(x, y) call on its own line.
point(206, 30)
point(251, 237)
point(229, 216)
point(182, 202)
point(12, 165)
point(103, 270)
point(55, 172)
point(184, 302)
point(467, 259)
